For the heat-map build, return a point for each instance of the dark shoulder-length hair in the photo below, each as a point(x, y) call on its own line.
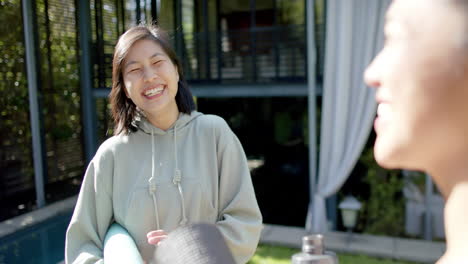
point(123, 109)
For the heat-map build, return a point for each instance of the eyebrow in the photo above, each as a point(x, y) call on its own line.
point(151, 57)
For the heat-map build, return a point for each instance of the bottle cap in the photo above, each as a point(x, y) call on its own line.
point(313, 244)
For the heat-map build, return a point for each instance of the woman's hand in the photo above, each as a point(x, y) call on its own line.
point(155, 237)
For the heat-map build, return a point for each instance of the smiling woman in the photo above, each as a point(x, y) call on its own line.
point(145, 63)
point(150, 80)
point(421, 76)
point(167, 165)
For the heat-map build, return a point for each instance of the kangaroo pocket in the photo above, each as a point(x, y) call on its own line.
point(140, 216)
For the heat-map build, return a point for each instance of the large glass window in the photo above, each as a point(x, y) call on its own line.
point(236, 42)
point(274, 134)
point(260, 41)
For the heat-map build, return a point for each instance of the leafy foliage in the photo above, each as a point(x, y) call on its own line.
point(58, 99)
point(384, 210)
point(15, 129)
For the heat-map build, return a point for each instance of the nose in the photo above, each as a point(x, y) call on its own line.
point(372, 75)
point(149, 74)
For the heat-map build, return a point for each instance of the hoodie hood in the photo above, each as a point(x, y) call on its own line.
point(182, 122)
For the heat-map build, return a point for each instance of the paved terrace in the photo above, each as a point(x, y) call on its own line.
point(377, 246)
point(340, 242)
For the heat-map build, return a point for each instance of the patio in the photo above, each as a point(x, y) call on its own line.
point(370, 245)
point(339, 242)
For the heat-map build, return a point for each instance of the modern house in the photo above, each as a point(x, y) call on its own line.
point(244, 60)
point(260, 64)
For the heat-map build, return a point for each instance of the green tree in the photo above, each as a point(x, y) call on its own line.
point(384, 209)
point(15, 143)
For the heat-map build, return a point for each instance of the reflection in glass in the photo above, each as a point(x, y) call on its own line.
point(273, 132)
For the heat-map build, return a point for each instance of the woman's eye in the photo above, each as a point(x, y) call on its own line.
point(157, 62)
point(134, 70)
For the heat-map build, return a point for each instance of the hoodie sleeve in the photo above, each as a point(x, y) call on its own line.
point(240, 220)
point(93, 213)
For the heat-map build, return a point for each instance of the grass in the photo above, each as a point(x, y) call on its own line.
point(282, 255)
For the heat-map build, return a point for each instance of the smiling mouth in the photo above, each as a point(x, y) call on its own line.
point(154, 91)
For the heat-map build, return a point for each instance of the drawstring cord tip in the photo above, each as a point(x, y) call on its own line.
point(177, 177)
point(152, 188)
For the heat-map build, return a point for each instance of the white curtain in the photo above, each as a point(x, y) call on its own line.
point(354, 35)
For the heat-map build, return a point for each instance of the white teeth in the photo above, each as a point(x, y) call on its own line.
point(154, 91)
point(383, 109)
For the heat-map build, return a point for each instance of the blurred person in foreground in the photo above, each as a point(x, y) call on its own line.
point(421, 78)
point(166, 166)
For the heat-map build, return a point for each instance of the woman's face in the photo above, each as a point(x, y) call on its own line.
point(150, 78)
point(421, 82)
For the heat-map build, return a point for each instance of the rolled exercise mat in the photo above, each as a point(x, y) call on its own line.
point(119, 247)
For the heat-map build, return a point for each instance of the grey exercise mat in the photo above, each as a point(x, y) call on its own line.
point(196, 244)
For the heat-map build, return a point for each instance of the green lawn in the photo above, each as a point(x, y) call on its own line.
point(281, 255)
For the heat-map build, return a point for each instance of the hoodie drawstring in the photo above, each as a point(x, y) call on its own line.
point(152, 182)
point(177, 178)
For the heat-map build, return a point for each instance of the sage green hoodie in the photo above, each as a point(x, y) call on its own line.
point(151, 179)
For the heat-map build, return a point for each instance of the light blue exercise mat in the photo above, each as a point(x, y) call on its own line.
point(119, 247)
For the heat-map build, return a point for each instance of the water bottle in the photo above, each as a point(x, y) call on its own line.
point(313, 252)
